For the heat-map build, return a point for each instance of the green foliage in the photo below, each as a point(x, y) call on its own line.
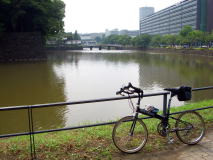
point(210, 37)
point(186, 37)
point(112, 39)
point(156, 40)
point(32, 16)
point(186, 30)
point(124, 40)
point(98, 39)
point(118, 39)
point(142, 41)
point(76, 36)
point(170, 39)
point(69, 36)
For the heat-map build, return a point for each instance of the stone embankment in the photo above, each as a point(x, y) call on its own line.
point(203, 51)
point(21, 46)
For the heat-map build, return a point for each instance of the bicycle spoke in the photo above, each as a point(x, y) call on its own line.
point(190, 127)
point(129, 136)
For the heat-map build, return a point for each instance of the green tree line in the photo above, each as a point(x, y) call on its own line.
point(187, 37)
point(44, 16)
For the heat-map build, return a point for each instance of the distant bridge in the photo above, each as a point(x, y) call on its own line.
point(104, 46)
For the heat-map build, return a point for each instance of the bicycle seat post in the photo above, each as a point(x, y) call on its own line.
point(169, 104)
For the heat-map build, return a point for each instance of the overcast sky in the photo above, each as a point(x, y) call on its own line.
point(88, 16)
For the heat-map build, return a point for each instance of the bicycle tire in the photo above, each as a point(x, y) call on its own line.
point(190, 127)
point(124, 141)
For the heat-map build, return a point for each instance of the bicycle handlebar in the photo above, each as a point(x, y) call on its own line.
point(130, 89)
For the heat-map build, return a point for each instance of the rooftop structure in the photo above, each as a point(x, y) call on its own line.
point(146, 11)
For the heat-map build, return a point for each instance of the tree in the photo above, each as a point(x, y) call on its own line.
point(178, 39)
point(118, 39)
point(69, 36)
point(198, 38)
point(186, 30)
point(124, 40)
point(204, 38)
point(156, 40)
point(170, 39)
point(32, 16)
point(112, 39)
point(210, 39)
point(195, 37)
point(76, 36)
point(142, 41)
point(98, 39)
point(186, 35)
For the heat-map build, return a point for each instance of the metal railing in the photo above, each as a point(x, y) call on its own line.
point(31, 107)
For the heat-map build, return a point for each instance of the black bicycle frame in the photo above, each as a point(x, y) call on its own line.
point(164, 119)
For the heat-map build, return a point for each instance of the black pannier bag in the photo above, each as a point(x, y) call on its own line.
point(184, 93)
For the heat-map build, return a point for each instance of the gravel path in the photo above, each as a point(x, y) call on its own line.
point(201, 151)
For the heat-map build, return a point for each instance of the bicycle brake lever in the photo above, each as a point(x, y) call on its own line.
point(122, 94)
point(117, 93)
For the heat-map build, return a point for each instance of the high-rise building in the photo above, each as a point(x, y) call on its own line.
point(146, 11)
point(196, 13)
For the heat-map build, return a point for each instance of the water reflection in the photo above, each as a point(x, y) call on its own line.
point(90, 78)
point(25, 84)
point(100, 74)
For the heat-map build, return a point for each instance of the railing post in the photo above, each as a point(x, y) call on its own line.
point(31, 133)
point(164, 104)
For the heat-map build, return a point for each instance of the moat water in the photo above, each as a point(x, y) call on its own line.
point(82, 75)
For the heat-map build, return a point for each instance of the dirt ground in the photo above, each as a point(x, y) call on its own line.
point(201, 151)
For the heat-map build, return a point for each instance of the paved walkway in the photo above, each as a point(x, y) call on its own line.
point(201, 151)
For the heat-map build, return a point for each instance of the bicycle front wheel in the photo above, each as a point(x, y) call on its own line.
point(130, 135)
point(190, 127)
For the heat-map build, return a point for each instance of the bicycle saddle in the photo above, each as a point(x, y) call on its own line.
point(183, 93)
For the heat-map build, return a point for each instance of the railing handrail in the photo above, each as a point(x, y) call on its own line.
point(90, 101)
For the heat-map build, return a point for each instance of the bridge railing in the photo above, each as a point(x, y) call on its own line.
point(30, 108)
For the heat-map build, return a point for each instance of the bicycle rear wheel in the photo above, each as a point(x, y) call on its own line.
point(190, 127)
point(129, 136)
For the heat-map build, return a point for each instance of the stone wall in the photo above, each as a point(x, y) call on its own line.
point(21, 46)
point(204, 52)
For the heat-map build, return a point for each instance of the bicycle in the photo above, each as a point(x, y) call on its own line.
point(130, 133)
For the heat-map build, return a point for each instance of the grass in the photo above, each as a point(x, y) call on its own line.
point(201, 49)
point(89, 143)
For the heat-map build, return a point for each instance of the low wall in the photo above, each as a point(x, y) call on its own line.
point(183, 51)
point(62, 48)
point(21, 46)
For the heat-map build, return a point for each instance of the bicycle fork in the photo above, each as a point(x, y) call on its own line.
point(133, 125)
